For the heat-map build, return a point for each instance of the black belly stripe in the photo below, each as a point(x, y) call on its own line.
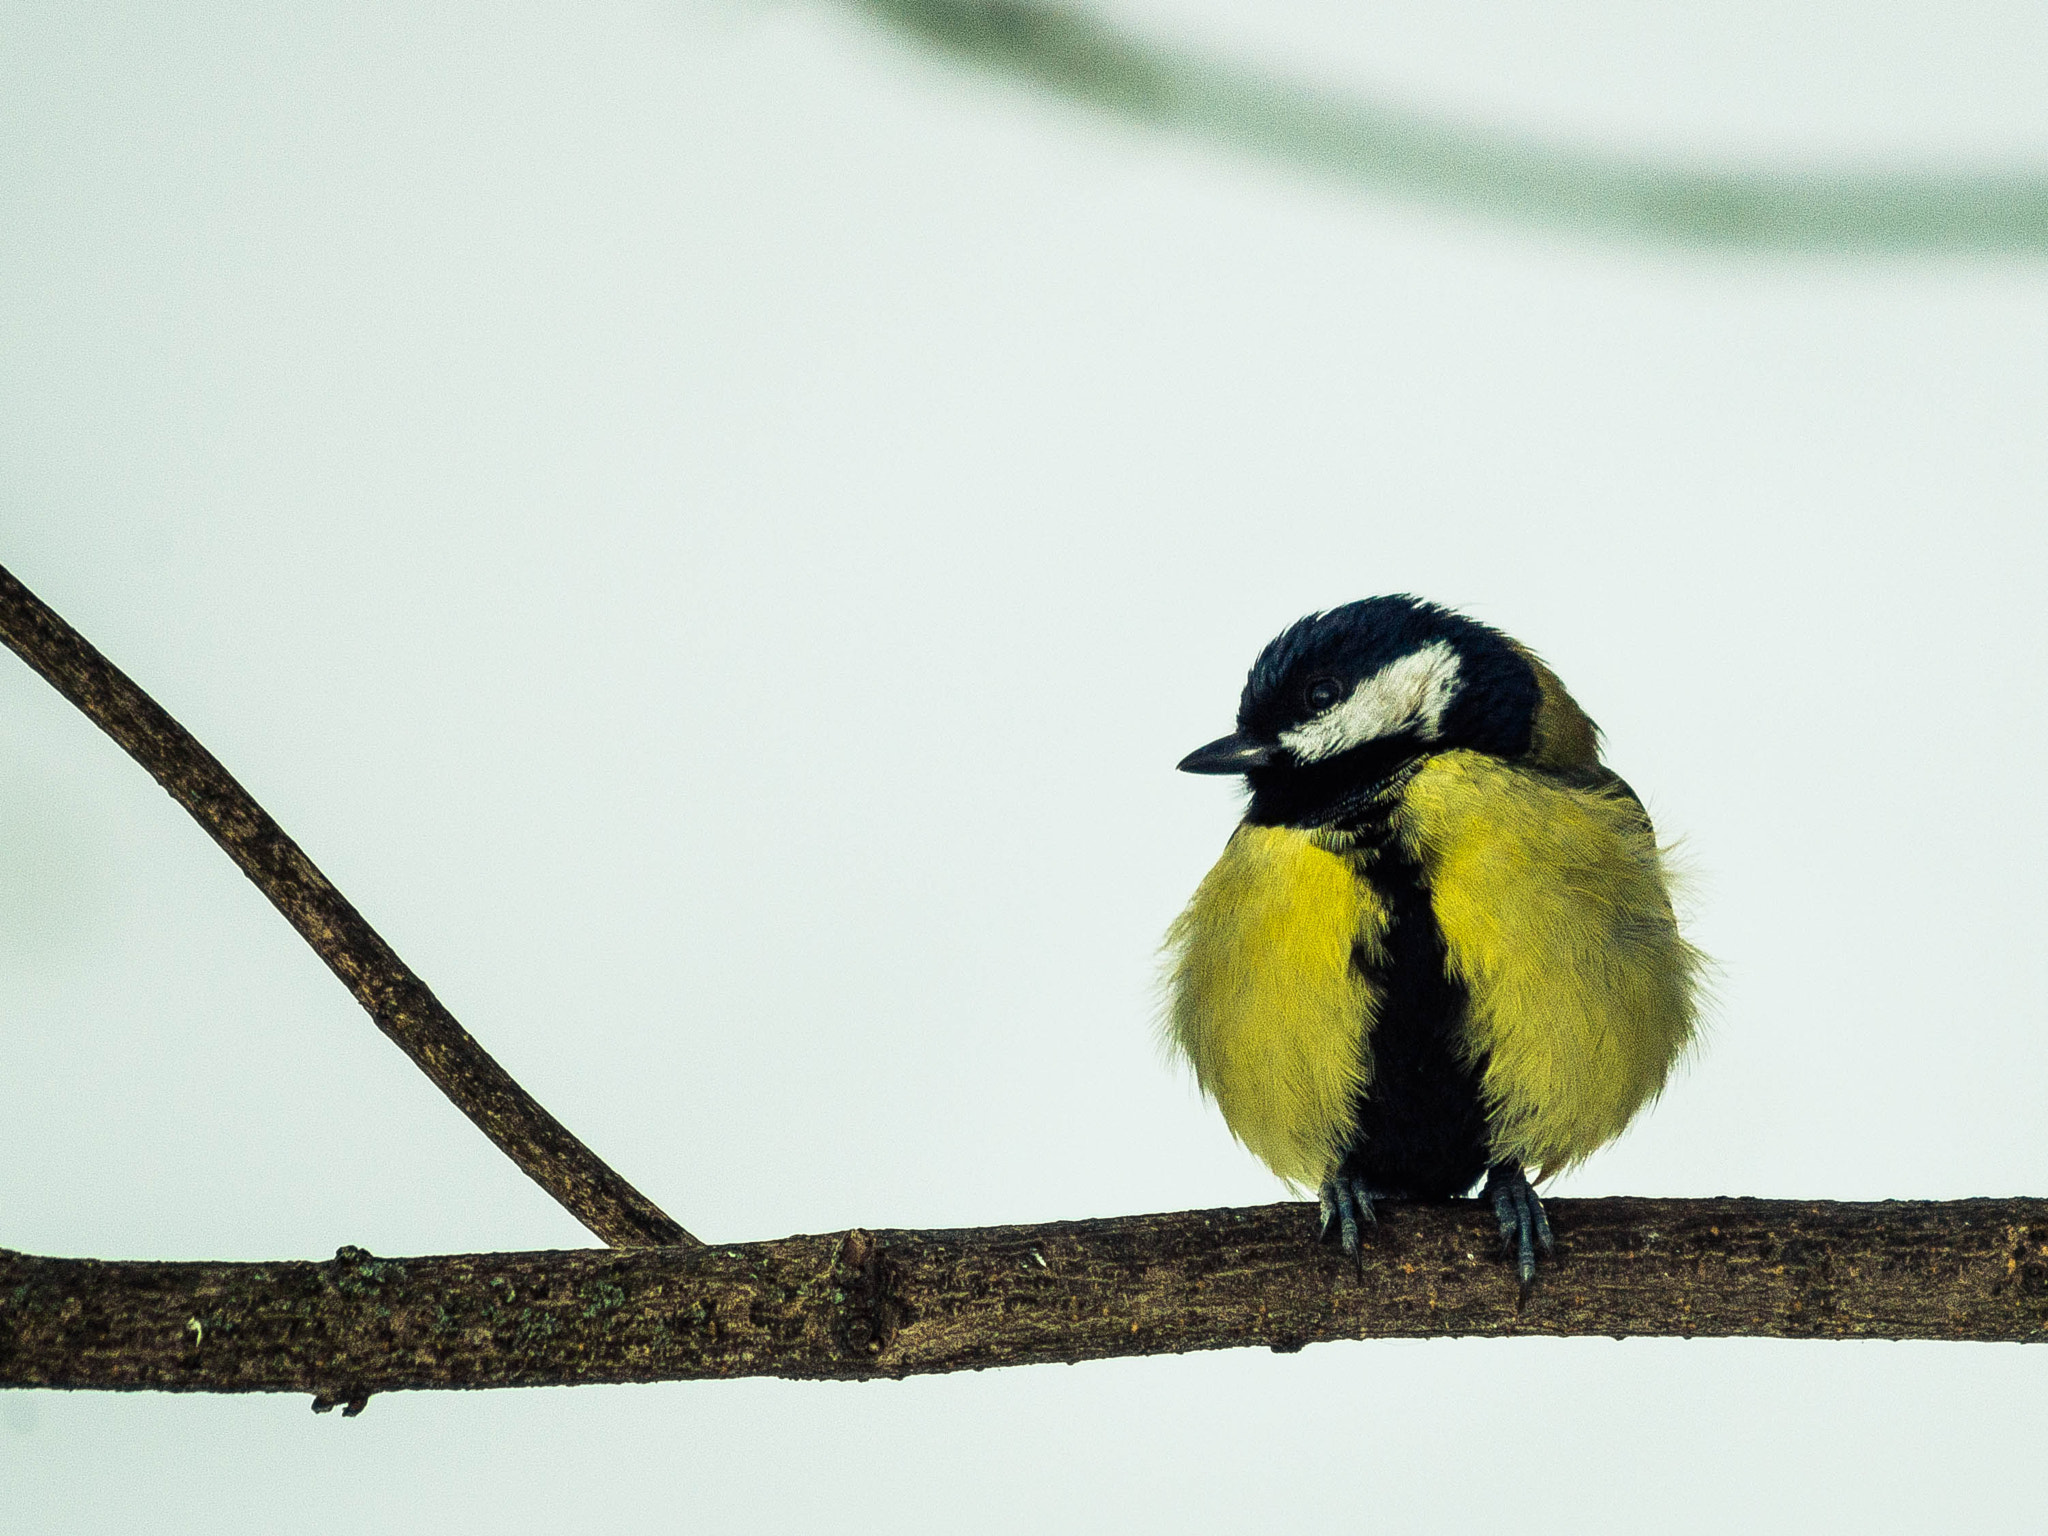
point(1420, 1129)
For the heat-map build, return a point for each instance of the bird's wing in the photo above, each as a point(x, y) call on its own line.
point(1598, 778)
point(1555, 915)
point(1265, 999)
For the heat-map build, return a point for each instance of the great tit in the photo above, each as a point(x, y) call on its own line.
point(1440, 945)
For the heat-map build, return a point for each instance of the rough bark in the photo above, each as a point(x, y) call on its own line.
point(864, 1304)
point(395, 998)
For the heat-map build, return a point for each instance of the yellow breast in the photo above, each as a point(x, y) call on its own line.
point(1555, 913)
point(1264, 1000)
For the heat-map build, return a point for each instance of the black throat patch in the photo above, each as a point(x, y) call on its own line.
point(1420, 1123)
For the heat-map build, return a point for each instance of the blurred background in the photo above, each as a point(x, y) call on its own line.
point(714, 522)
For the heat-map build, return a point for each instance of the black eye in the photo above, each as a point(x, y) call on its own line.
point(1324, 692)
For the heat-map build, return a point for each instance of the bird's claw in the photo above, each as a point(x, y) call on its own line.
point(1524, 1228)
point(1346, 1205)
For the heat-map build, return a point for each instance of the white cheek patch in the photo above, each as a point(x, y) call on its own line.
point(1413, 691)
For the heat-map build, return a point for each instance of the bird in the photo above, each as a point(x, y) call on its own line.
point(1439, 947)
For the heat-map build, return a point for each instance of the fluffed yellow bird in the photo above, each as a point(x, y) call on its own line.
point(1440, 945)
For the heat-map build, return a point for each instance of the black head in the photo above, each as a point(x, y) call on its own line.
point(1339, 702)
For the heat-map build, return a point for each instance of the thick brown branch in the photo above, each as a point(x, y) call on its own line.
point(397, 999)
point(868, 1304)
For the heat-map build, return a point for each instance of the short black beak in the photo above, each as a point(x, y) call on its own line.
point(1229, 754)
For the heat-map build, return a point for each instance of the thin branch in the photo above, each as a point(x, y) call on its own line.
point(397, 999)
point(888, 1304)
point(1385, 149)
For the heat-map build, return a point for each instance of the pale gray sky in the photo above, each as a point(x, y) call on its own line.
point(713, 526)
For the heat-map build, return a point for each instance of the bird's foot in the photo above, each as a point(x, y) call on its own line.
point(1347, 1211)
point(1524, 1229)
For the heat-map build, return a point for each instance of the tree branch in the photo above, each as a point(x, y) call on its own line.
point(889, 1304)
point(1389, 149)
point(397, 999)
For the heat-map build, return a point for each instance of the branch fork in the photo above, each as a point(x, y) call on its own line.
point(658, 1305)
